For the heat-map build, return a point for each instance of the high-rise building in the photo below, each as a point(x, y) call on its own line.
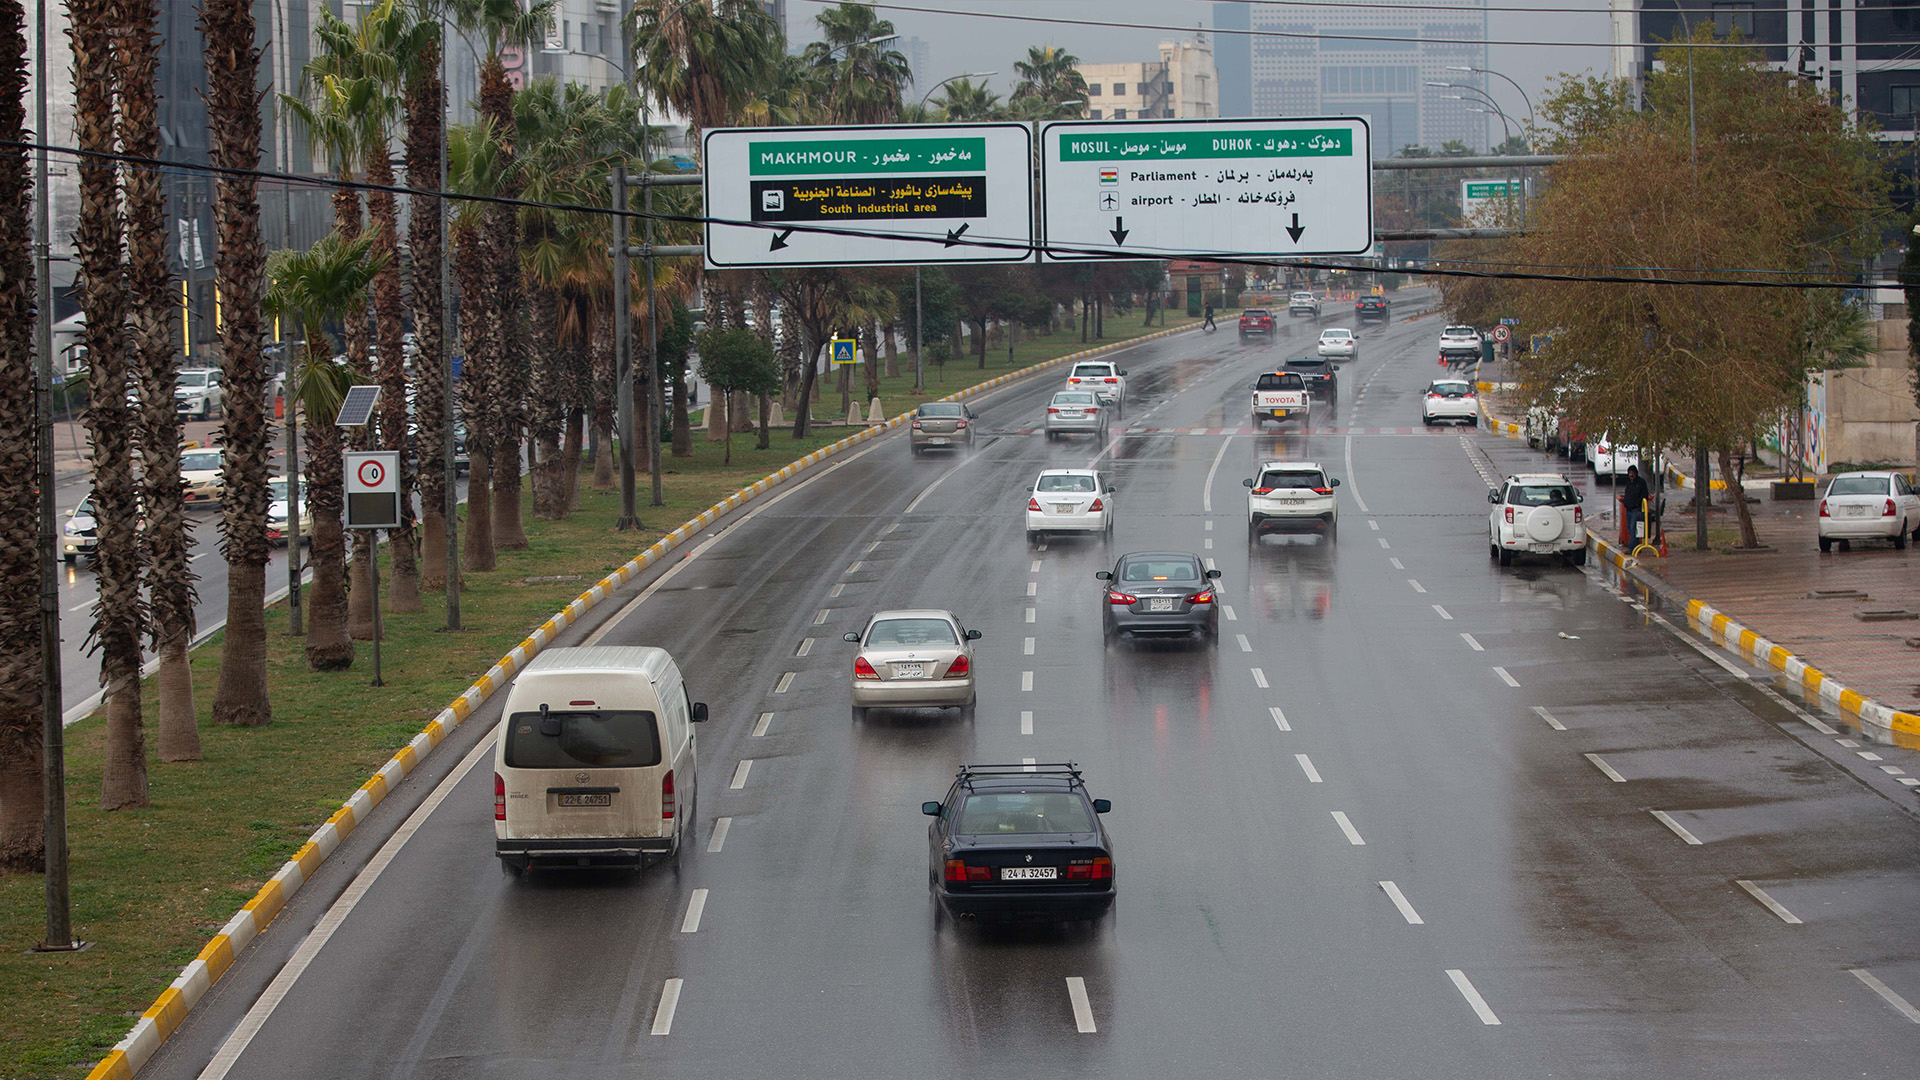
point(1233, 55)
point(1183, 84)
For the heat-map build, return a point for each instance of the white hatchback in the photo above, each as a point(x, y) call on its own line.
point(1538, 514)
point(1450, 401)
point(1069, 500)
point(1339, 341)
point(1869, 506)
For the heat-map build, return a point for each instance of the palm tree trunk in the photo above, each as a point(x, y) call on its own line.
point(570, 447)
point(476, 383)
point(602, 418)
point(892, 345)
point(506, 410)
point(389, 328)
point(546, 401)
point(329, 644)
point(23, 838)
point(170, 592)
point(424, 104)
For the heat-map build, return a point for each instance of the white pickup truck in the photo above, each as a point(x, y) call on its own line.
point(1281, 396)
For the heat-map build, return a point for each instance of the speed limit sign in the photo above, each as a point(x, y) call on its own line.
point(373, 489)
point(1501, 334)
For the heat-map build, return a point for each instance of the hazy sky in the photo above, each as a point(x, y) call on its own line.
point(960, 43)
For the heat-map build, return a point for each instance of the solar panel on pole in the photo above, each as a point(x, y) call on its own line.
point(357, 408)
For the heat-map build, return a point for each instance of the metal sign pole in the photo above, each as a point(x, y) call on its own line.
point(373, 569)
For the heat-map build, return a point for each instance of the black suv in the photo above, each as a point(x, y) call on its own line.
point(1372, 309)
point(1020, 841)
point(1320, 374)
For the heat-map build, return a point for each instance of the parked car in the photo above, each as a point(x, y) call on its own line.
point(913, 659)
point(1075, 412)
point(1869, 506)
point(1339, 341)
point(1538, 514)
point(940, 425)
point(1069, 500)
point(1608, 459)
point(1295, 495)
point(278, 528)
point(1459, 344)
point(1320, 374)
point(1450, 401)
point(1372, 309)
point(1159, 592)
point(1303, 303)
point(1256, 322)
point(1019, 841)
point(198, 395)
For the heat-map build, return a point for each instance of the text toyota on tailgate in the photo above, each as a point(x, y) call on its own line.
point(1280, 396)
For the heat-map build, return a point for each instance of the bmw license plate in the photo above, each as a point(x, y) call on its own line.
point(1029, 873)
point(1160, 603)
point(586, 800)
point(909, 671)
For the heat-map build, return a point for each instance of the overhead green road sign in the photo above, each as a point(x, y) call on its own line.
point(1207, 145)
point(779, 156)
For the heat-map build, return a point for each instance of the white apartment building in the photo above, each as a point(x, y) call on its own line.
point(1182, 84)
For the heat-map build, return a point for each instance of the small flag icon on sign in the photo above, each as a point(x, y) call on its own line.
point(1109, 176)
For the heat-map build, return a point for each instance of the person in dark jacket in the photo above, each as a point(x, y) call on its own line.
point(1634, 497)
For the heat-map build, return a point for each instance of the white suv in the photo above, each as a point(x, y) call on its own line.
point(197, 395)
point(1303, 303)
point(1103, 378)
point(1539, 514)
point(1292, 495)
point(1460, 343)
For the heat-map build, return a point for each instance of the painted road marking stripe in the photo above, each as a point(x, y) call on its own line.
point(1417, 587)
point(1870, 756)
point(1245, 645)
point(721, 826)
point(1209, 524)
point(1026, 682)
point(1306, 766)
point(1026, 722)
point(1082, 1008)
point(1029, 614)
point(1372, 524)
point(806, 646)
point(1210, 564)
point(889, 528)
point(821, 616)
point(1231, 617)
point(1353, 481)
point(1346, 826)
point(872, 546)
point(1542, 713)
point(1462, 984)
point(760, 726)
point(1035, 568)
point(1442, 612)
point(1026, 647)
point(1605, 768)
point(1471, 643)
point(83, 605)
point(1260, 678)
point(1848, 743)
point(1400, 901)
point(1206, 492)
point(1769, 902)
point(1396, 564)
point(837, 589)
point(854, 567)
point(1886, 992)
point(786, 680)
point(669, 1004)
point(1384, 544)
point(1279, 718)
point(696, 906)
point(1029, 763)
point(1033, 588)
point(1679, 830)
point(740, 774)
point(1209, 543)
point(1506, 678)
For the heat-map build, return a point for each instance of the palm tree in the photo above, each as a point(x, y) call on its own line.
point(865, 82)
point(965, 101)
point(474, 164)
point(314, 288)
point(425, 102)
point(22, 841)
point(154, 359)
point(1051, 75)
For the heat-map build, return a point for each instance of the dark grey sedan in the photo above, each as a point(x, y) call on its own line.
point(1160, 592)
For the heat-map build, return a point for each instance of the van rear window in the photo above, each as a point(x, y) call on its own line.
point(609, 739)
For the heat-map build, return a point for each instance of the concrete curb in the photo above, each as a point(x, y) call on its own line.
point(170, 1009)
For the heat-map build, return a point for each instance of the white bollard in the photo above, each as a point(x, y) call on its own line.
point(874, 415)
point(853, 413)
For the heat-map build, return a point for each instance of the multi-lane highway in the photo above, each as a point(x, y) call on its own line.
point(1413, 815)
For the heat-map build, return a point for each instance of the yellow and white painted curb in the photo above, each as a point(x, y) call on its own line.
point(169, 1010)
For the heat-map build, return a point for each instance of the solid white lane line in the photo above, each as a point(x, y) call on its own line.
point(1026, 646)
point(1542, 713)
point(1279, 718)
point(1769, 902)
point(1605, 768)
point(1703, 648)
point(1227, 609)
point(1033, 588)
point(696, 906)
point(760, 726)
point(1346, 826)
point(1029, 614)
point(740, 774)
point(1397, 564)
point(821, 615)
point(669, 1003)
point(721, 826)
point(1035, 568)
point(786, 680)
point(1306, 766)
point(1384, 544)
point(83, 605)
point(837, 589)
point(1353, 480)
point(1462, 984)
point(197, 558)
point(1082, 1008)
point(1400, 901)
point(1506, 678)
point(1471, 643)
point(1372, 524)
point(1026, 682)
point(1206, 493)
point(1245, 645)
point(1417, 587)
point(1260, 678)
point(1026, 722)
point(1886, 992)
point(1442, 612)
point(806, 646)
point(1679, 830)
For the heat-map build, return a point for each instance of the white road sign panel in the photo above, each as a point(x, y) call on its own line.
point(946, 183)
point(1155, 188)
point(1477, 194)
point(373, 489)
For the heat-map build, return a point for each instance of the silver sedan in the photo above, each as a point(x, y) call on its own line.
point(1076, 412)
point(910, 659)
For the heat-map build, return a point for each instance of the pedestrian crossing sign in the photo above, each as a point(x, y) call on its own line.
point(842, 351)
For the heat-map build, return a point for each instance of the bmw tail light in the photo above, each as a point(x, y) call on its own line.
point(1100, 869)
point(960, 871)
point(1096, 506)
point(666, 796)
point(863, 670)
point(1116, 597)
point(499, 798)
point(959, 667)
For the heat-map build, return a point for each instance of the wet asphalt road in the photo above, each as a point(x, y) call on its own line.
point(1369, 833)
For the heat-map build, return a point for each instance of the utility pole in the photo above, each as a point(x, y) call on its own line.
point(623, 350)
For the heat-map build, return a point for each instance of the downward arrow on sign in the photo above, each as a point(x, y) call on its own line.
point(1294, 230)
point(779, 240)
point(1118, 232)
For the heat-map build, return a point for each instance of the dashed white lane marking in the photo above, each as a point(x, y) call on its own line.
point(1703, 649)
point(1870, 756)
point(1812, 721)
point(1471, 642)
point(1542, 713)
point(1442, 612)
point(837, 589)
point(721, 826)
point(1210, 564)
point(1035, 568)
point(1506, 678)
point(83, 605)
point(854, 567)
point(1029, 614)
point(821, 615)
point(1910, 781)
point(1384, 544)
point(941, 479)
point(870, 547)
point(1228, 610)
point(1462, 984)
point(889, 528)
point(1679, 830)
point(197, 558)
point(786, 680)
point(1026, 646)
point(740, 772)
point(1848, 743)
point(1346, 826)
point(1026, 723)
point(1279, 718)
point(1397, 564)
point(1769, 902)
point(669, 1002)
point(1245, 645)
point(1209, 524)
point(1033, 588)
point(1041, 546)
point(1082, 1008)
point(1887, 993)
point(1893, 770)
point(1260, 678)
point(1306, 766)
point(1028, 762)
point(1372, 524)
point(806, 646)
point(696, 906)
point(760, 726)
point(1607, 770)
point(1353, 479)
point(1026, 682)
point(1209, 544)
point(1417, 587)
point(1206, 493)
point(1400, 901)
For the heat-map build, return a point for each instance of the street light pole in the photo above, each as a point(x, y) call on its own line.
point(1497, 75)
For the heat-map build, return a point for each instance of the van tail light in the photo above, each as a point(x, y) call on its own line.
point(1115, 597)
point(499, 798)
point(863, 670)
point(666, 796)
point(1888, 512)
point(959, 667)
point(1509, 515)
point(1090, 870)
point(960, 871)
point(1033, 505)
point(1201, 597)
point(1823, 509)
point(1096, 506)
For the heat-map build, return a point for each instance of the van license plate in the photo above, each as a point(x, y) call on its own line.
point(586, 800)
point(1029, 873)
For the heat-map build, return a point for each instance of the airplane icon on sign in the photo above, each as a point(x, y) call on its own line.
point(1109, 200)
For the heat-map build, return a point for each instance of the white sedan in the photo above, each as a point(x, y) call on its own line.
point(1339, 341)
point(1450, 401)
point(1069, 500)
point(1609, 459)
point(1869, 506)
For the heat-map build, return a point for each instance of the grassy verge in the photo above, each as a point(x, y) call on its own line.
point(150, 886)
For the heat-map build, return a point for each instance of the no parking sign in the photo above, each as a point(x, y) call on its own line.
point(373, 489)
point(1501, 334)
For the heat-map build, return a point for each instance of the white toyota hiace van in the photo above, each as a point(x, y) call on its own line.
point(594, 765)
